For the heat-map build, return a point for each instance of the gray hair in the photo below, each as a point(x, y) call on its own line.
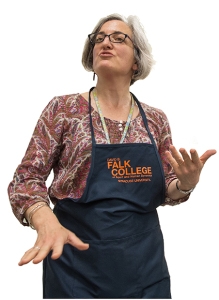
point(142, 49)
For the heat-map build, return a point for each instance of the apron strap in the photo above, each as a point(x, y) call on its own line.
point(91, 124)
point(152, 139)
point(144, 119)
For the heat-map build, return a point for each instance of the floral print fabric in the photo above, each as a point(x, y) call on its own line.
point(61, 142)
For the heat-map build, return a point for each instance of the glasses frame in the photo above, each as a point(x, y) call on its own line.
point(93, 34)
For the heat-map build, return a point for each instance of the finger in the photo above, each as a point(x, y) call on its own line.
point(29, 255)
point(192, 160)
point(72, 240)
point(207, 155)
point(76, 242)
point(173, 151)
point(57, 251)
point(186, 157)
point(175, 159)
point(170, 159)
point(42, 254)
point(195, 158)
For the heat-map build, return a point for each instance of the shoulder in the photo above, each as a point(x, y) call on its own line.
point(154, 113)
point(67, 104)
point(63, 100)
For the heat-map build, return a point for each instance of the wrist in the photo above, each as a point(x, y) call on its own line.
point(35, 212)
point(184, 189)
point(44, 217)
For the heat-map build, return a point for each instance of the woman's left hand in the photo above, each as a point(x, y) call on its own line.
point(187, 167)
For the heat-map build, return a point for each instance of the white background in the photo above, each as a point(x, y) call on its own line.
point(41, 47)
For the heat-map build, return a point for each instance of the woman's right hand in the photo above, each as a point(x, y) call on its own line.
point(52, 236)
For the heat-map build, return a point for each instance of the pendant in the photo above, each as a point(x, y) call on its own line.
point(120, 125)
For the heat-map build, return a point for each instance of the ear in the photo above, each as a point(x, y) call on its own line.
point(135, 66)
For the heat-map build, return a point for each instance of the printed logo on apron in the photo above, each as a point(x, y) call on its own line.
point(125, 172)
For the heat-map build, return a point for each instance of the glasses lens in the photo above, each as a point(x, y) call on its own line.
point(97, 38)
point(117, 37)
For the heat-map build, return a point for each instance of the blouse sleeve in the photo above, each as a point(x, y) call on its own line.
point(164, 144)
point(28, 185)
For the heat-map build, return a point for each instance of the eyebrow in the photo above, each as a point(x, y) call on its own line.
point(103, 32)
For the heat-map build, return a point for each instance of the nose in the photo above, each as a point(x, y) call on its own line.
point(106, 41)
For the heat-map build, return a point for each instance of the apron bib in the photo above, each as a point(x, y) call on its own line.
point(117, 216)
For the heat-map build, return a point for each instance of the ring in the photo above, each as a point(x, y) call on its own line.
point(36, 247)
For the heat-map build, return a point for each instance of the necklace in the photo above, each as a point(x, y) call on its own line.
point(103, 121)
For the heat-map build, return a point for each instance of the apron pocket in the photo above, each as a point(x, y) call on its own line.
point(121, 268)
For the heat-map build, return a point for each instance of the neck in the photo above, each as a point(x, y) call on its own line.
point(113, 94)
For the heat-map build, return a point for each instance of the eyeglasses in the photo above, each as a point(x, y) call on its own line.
point(116, 37)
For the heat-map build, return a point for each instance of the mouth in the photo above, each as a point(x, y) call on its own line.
point(105, 54)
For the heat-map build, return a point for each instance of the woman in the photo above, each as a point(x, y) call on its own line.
point(113, 165)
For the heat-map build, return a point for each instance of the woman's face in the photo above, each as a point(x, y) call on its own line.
point(114, 59)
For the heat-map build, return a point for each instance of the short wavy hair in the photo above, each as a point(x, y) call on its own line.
point(142, 50)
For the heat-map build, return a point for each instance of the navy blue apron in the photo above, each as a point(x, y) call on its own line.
point(117, 216)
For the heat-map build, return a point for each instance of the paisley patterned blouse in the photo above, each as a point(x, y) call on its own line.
point(61, 142)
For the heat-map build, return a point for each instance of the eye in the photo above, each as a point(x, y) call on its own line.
point(98, 38)
point(118, 37)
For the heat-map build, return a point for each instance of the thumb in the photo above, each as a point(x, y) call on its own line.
point(207, 155)
point(76, 242)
